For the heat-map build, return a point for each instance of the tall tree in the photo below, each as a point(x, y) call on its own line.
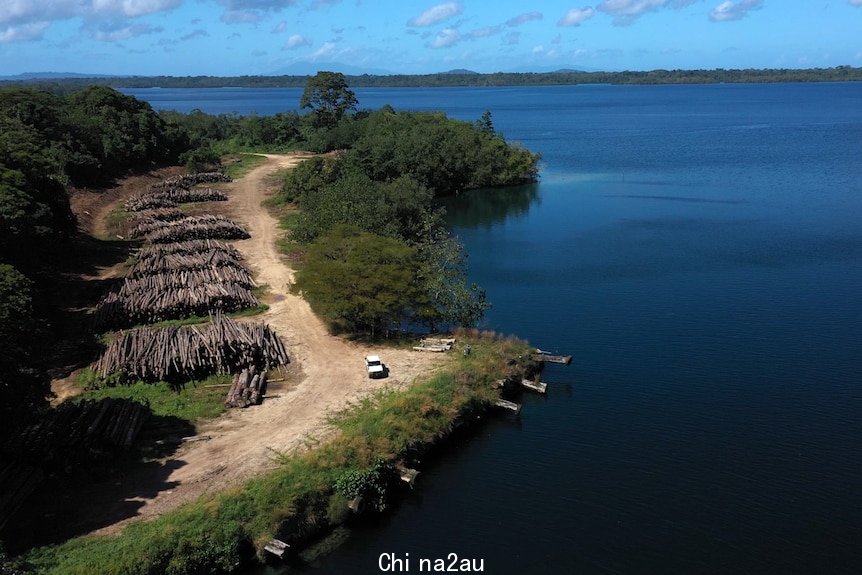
point(360, 282)
point(329, 98)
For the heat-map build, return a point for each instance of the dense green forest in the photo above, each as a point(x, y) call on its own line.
point(47, 144)
point(378, 256)
point(560, 77)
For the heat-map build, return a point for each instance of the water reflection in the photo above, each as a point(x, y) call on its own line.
point(485, 208)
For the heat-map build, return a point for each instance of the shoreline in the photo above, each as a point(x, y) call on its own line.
point(297, 502)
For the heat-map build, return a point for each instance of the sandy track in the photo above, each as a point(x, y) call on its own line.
point(330, 374)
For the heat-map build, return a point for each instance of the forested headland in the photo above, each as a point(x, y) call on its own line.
point(373, 257)
point(375, 192)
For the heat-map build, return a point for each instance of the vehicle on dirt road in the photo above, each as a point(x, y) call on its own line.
point(374, 366)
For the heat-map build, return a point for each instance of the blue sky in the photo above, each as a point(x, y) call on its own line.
point(246, 37)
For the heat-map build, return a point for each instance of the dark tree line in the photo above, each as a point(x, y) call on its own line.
point(47, 143)
point(466, 78)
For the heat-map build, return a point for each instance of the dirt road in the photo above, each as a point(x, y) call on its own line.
point(329, 371)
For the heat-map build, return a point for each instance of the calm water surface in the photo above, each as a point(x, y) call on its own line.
point(698, 249)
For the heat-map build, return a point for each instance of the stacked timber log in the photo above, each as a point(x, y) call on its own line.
point(189, 180)
point(180, 353)
point(172, 197)
point(178, 190)
point(74, 432)
point(164, 215)
point(194, 228)
point(248, 388)
point(154, 299)
point(186, 247)
point(154, 261)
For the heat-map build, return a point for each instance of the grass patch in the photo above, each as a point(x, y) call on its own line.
point(288, 216)
point(297, 500)
point(117, 223)
point(192, 402)
point(242, 164)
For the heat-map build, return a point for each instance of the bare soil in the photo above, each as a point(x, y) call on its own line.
point(327, 373)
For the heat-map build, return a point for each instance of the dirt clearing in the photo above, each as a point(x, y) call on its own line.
point(326, 374)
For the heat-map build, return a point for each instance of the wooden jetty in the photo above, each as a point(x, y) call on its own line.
point(357, 504)
point(406, 474)
point(551, 358)
point(435, 344)
point(434, 348)
point(510, 405)
point(537, 386)
point(277, 547)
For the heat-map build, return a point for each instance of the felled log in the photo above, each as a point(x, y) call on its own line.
point(196, 227)
point(180, 353)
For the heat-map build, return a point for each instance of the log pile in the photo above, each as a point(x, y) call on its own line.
point(248, 388)
point(196, 228)
point(175, 295)
point(164, 215)
point(172, 197)
point(180, 353)
point(175, 257)
point(189, 180)
point(75, 432)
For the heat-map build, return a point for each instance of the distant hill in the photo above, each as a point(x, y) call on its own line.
point(461, 72)
point(53, 76)
point(312, 68)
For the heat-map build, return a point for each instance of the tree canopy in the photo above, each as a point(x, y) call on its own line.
point(329, 98)
point(360, 282)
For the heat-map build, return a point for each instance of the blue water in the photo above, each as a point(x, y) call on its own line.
point(698, 250)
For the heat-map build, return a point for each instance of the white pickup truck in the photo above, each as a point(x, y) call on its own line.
point(374, 366)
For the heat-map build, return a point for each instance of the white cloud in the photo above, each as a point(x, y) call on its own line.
point(318, 4)
point(240, 16)
point(855, 2)
point(485, 32)
point(328, 50)
point(576, 16)
point(526, 17)
point(280, 27)
point(23, 33)
point(199, 33)
point(436, 14)
point(446, 38)
point(729, 10)
point(126, 32)
point(132, 8)
point(297, 41)
point(627, 11)
point(22, 20)
point(31, 11)
point(250, 11)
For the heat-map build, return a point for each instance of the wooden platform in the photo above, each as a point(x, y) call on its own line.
point(435, 344)
point(406, 474)
point(510, 405)
point(277, 547)
point(537, 386)
point(547, 357)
